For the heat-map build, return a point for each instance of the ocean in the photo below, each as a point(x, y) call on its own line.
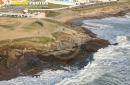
point(111, 65)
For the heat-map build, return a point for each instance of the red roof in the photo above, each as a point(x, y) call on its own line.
point(1, 2)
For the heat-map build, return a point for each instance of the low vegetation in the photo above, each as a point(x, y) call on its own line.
point(10, 26)
point(60, 35)
point(106, 7)
point(41, 39)
point(37, 39)
point(58, 23)
point(33, 25)
point(7, 26)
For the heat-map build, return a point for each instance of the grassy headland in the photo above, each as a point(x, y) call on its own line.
point(32, 31)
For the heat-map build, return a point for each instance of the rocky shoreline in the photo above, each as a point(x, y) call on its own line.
point(101, 13)
point(26, 59)
point(22, 59)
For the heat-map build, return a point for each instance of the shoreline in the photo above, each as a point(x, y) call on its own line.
point(29, 60)
point(102, 16)
point(117, 10)
point(56, 55)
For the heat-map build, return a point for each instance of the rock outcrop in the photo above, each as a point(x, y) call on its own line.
point(66, 51)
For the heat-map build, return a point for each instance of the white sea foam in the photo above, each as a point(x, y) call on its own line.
point(46, 78)
point(112, 64)
point(110, 67)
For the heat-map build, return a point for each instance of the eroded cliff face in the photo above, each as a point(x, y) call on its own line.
point(29, 58)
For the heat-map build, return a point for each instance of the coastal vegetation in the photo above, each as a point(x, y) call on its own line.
point(56, 22)
point(33, 25)
point(105, 8)
point(37, 39)
point(9, 25)
point(33, 31)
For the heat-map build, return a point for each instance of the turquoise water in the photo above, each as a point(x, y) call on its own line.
point(111, 65)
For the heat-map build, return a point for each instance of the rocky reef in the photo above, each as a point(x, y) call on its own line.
point(20, 59)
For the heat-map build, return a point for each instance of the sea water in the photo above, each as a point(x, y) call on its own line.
point(111, 65)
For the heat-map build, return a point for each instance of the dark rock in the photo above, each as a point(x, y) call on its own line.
point(36, 75)
point(95, 44)
point(115, 44)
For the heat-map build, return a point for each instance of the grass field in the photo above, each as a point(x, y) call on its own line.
point(9, 26)
point(33, 25)
point(16, 30)
point(56, 22)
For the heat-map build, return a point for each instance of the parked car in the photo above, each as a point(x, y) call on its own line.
point(4, 14)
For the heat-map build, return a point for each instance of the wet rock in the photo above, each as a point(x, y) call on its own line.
point(115, 44)
point(95, 44)
point(36, 75)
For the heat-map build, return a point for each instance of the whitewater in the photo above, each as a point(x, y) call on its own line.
point(111, 65)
